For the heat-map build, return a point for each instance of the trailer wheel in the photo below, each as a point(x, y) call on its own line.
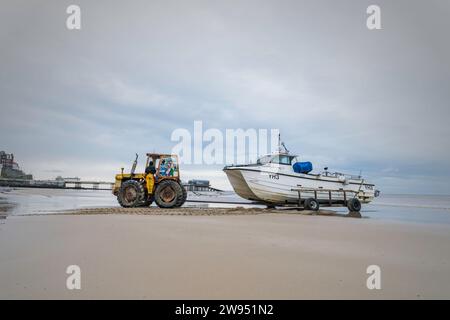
point(312, 204)
point(354, 205)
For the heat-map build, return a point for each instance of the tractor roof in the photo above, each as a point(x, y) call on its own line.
point(157, 155)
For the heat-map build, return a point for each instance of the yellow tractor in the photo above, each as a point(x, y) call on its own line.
point(160, 183)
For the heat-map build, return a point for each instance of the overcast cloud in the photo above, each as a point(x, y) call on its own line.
point(81, 103)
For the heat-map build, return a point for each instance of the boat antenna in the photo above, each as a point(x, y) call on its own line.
point(281, 144)
point(284, 146)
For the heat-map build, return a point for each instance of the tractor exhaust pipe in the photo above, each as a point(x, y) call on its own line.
point(133, 168)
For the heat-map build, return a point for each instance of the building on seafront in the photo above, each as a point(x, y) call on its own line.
point(9, 169)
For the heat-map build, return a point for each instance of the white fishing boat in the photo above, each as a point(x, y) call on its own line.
point(282, 179)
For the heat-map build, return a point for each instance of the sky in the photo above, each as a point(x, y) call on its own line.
point(83, 102)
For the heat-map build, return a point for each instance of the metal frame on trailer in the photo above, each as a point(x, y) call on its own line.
point(330, 202)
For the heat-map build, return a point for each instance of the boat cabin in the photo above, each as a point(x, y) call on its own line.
point(285, 159)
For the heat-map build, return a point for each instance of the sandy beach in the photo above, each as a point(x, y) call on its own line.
point(239, 254)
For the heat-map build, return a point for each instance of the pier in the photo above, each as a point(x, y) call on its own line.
point(57, 184)
point(89, 185)
point(192, 185)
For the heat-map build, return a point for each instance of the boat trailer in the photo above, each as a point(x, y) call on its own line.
point(328, 198)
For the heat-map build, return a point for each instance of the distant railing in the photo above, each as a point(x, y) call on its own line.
point(82, 184)
point(56, 184)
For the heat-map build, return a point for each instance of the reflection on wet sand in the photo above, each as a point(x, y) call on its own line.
point(5, 207)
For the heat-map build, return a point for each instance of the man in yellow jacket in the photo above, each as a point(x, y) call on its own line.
point(150, 178)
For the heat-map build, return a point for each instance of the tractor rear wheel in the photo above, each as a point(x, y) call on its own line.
point(168, 194)
point(183, 197)
point(131, 194)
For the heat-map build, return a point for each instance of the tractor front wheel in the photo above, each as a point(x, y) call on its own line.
point(131, 194)
point(168, 194)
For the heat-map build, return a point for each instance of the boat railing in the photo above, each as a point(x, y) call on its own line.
point(241, 165)
point(340, 174)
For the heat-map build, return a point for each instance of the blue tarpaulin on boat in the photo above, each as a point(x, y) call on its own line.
point(303, 167)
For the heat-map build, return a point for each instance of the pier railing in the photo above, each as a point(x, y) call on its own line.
point(81, 184)
point(57, 184)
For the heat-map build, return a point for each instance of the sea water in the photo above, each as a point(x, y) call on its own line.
point(388, 207)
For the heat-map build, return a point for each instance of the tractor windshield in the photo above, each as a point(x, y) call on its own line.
point(168, 166)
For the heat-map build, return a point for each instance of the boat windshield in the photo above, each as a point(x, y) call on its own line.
point(282, 159)
point(264, 160)
point(276, 159)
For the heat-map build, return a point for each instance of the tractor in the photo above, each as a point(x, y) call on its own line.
point(160, 183)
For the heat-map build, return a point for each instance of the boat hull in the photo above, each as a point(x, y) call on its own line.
point(275, 187)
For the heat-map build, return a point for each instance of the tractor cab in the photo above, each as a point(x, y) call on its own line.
point(166, 165)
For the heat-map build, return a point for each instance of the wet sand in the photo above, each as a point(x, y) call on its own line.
point(239, 254)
